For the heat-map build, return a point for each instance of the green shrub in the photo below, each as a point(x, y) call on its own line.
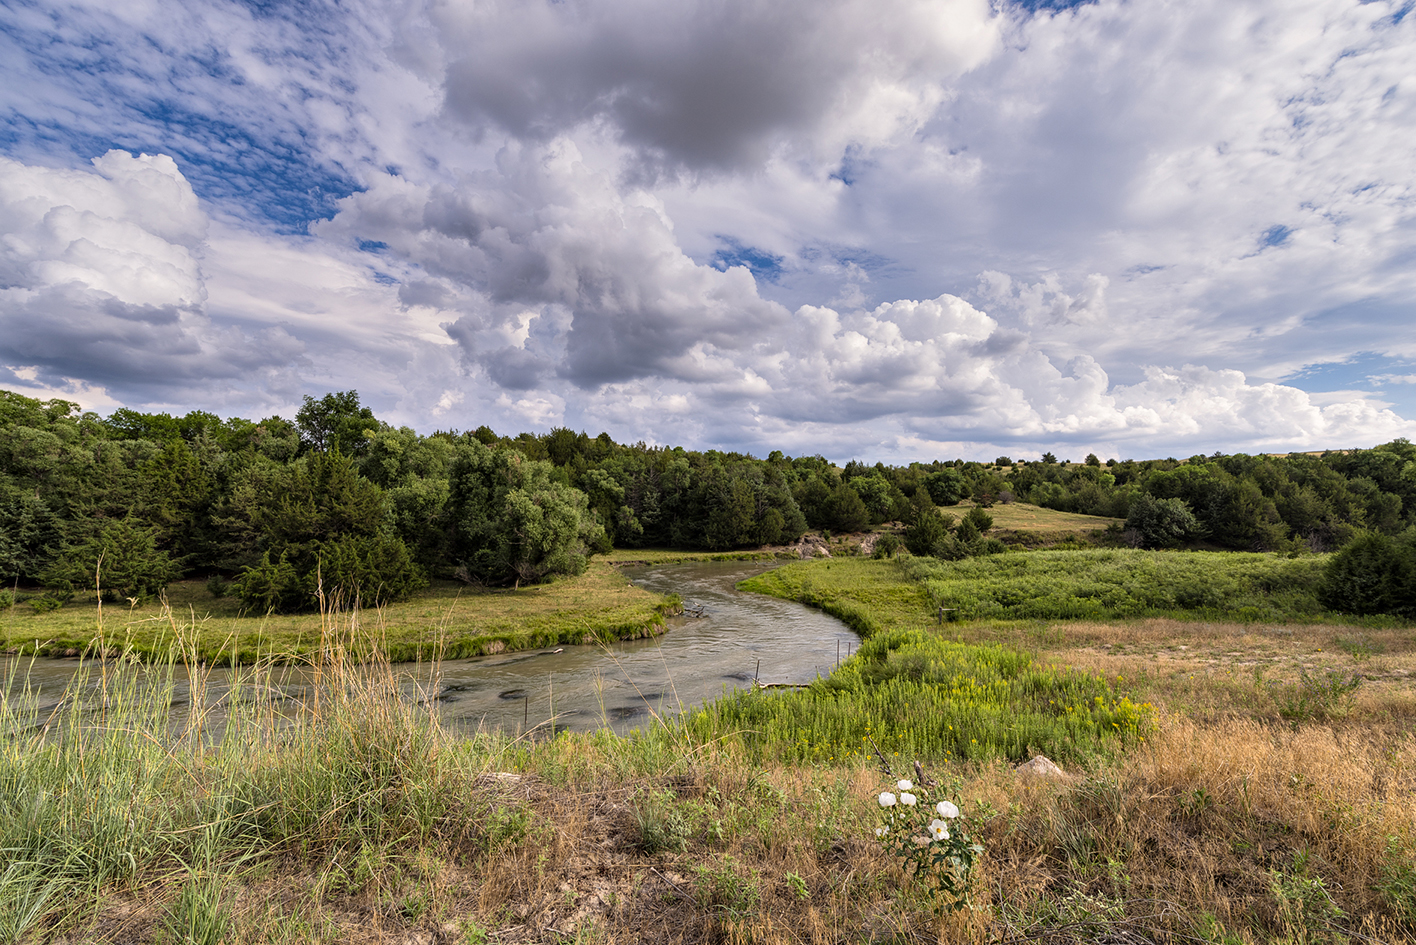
point(980, 519)
point(369, 570)
point(1398, 885)
point(372, 571)
point(1373, 574)
point(888, 546)
point(663, 825)
point(121, 557)
point(1161, 523)
point(928, 533)
point(272, 586)
point(1320, 695)
point(48, 603)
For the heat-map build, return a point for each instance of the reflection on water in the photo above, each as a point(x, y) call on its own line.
point(739, 637)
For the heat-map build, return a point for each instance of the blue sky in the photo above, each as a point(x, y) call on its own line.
point(931, 228)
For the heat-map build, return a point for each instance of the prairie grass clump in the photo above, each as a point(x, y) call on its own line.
point(1320, 695)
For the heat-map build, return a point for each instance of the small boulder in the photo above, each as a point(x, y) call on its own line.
point(1040, 767)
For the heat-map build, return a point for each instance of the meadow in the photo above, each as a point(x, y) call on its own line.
point(1032, 526)
point(1248, 790)
point(1115, 583)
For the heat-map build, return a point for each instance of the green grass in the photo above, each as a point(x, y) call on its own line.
point(910, 692)
point(868, 595)
point(916, 689)
point(1112, 584)
point(105, 790)
point(913, 694)
point(1022, 517)
point(446, 621)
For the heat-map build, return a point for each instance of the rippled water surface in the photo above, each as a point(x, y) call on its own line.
point(623, 686)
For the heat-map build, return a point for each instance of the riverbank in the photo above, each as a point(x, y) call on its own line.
point(445, 621)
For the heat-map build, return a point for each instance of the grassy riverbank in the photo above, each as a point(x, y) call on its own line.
point(1260, 806)
point(446, 621)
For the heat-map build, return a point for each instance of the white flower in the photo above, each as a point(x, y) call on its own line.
point(947, 809)
point(907, 799)
point(880, 832)
point(904, 785)
point(938, 830)
point(887, 799)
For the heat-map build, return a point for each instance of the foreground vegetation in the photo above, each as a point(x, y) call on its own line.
point(1267, 796)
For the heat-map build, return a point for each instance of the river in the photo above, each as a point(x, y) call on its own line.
point(739, 637)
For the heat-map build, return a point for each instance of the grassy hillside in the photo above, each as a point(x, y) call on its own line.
point(1021, 517)
point(1033, 526)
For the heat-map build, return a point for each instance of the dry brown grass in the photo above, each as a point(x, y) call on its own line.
point(1210, 818)
point(1185, 840)
point(1215, 670)
point(1022, 517)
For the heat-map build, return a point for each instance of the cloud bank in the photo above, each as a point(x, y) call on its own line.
point(930, 229)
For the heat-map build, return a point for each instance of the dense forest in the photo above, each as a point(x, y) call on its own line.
point(277, 512)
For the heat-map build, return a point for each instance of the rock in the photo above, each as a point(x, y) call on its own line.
point(810, 548)
point(1040, 767)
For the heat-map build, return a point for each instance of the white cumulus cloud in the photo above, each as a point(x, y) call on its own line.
point(103, 283)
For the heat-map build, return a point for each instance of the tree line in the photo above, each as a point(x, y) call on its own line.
point(279, 512)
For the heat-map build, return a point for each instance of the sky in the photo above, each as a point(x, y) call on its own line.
point(891, 230)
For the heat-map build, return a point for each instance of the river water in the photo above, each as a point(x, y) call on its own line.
point(581, 688)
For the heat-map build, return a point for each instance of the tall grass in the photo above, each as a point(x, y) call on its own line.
point(443, 622)
point(112, 786)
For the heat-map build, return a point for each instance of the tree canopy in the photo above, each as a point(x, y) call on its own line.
point(337, 499)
